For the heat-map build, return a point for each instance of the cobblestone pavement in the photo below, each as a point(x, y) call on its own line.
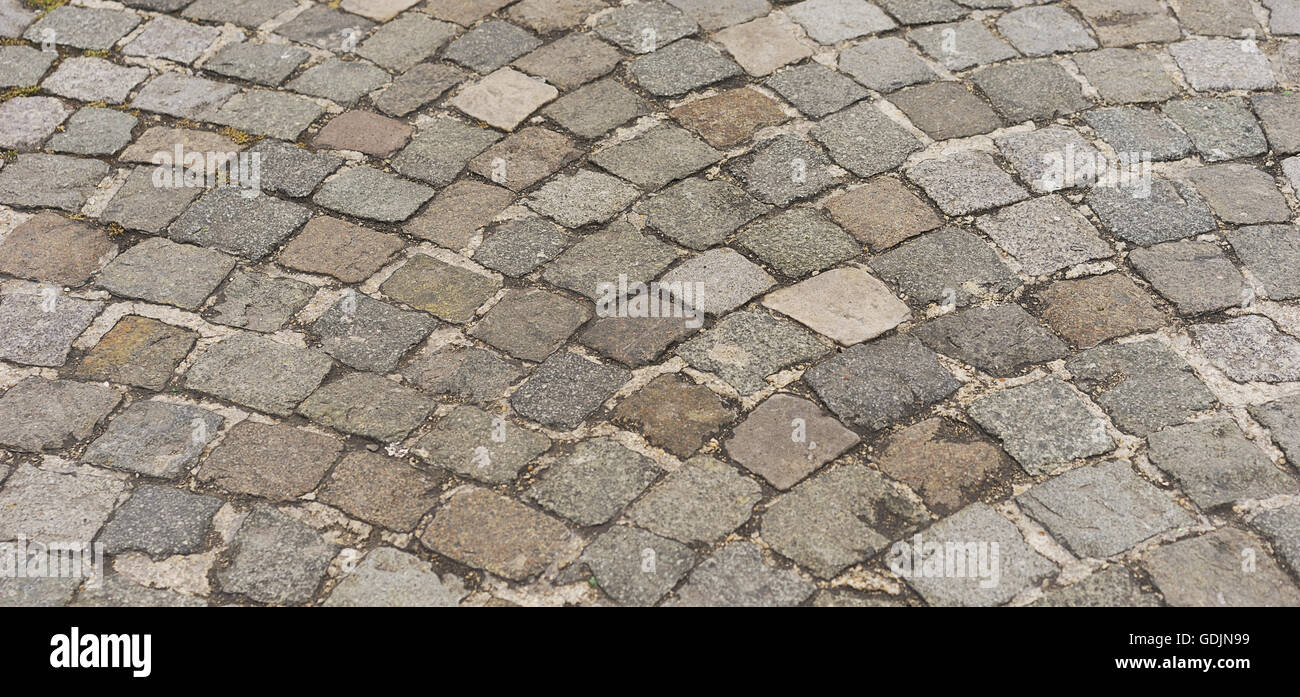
point(480, 302)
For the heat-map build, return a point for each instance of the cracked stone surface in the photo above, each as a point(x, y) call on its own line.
point(652, 302)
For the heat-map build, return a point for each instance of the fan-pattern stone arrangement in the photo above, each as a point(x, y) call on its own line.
point(680, 302)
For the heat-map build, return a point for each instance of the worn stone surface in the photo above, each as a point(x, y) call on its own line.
point(999, 339)
point(636, 567)
point(747, 346)
point(450, 292)
point(381, 490)
point(1207, 571)
point(499, 535)
point(38, 329)
point(477, 444)
point(700, 502)
point(367, 334)
point(1250, 348)
point(367, 405)
point(1043, 424)
point(875, 384)
point(160, 522)
point(259, 373)
point(275, 558)
point(1091, 310)
point(675, 414)
point(949, 464)
point(846, 304)
point(1214, 463)
point(391, 578)
point(593, 483)
point(43, 505)
point(1142, 385)
point(737, 576)
point(138, 351)
point(565, 389)
point(786, 438)
point(274, 461)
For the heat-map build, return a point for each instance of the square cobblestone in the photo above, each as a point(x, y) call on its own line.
point(590, 485)
point(1142, 386)
point(875, 384)
point(155, 439)
point(1043, 424)
point(746, 346)
point(565, 389)
point(477, 444)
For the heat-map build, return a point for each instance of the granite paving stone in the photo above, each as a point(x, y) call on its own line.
point(51, 247)
point(1196, 276)
point(453, 216)
point(486, 530)
point(699, 213)
point(258, 302)
point(1043, 424)
point(274, 461)
point(1249, 348)
point(1270, 253)
point(263, 63)
point(737, 576)
point(160, 521)
point(470, 373)
point(1045, 234)
point(380, 489)
point(39, 327)
point(162, 271)
point(138, 351)
point(565, 389)
point(531, 323)
point(949, 266)
point(391, 578)
point(1001, 340)
point(447, 291)
point(1221, 129)
point(786, 438)
point(1214, 561)
point(746, 346)
point(229, 220)
point(481, 445)
point(636, 567)
point(846, 304)
point(700, 502)
point(571, 61)
point(38, 414)
point(368, 334)
point(948, 464)
point(674, 414)
point(878, 383)
point(258, 372)
point(590, 485)
point(275, 558)
point(730, 117)
point(1142, 385)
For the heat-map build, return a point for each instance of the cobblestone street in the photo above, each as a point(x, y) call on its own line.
point(668, 302)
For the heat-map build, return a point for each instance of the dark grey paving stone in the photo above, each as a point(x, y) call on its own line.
point(885, 65)
point(83, 27)
point(1214, 463)
point(594, 265)
point(369, 406)
point(1134, 130)
point(266, 113)
point(366, 192)
point(881, 382)
point(258, 302)
point(275, 559)
point(644, 27)
point(1019, 566)
point(162, 271)
point(635, 567)
point(39, 327)
point(1001, 340)
point(517, 247)
point(1240, 194)
point(657, 157)
point(491, 45)
point(1043, 424)
point(971, 44)
point(367, 334)
point(565, 389)
point(417, 87)
point(1196, 276)
point(1102, 510)
point(966, 182)
point(183, 96)
point(1221, 129)
point(746, 346)
point(946, 110)
point(1142, 386)
point(635, 341)
point(1249, 348)
point(265, 64)
point(50, 181)
point(1168, 211)
point(464, 373)
point(160, 521)
point(798, 242)
point(1056, 93)
point(1208, 571)
point(944, 267)
point(815, 89)
point(155, 439)
point(403, 42)
point(259, 373)
point(702, 501)
point(840, 517)
point(39, 414)
point(441, 149)
point(590, 485)
point(680, 67)
point(23, 66)
point(864, 141)
point(232, 221)
point(483, 446)
point(737, 576)
point(783, 170)
point(325, 27)
point(594, 109)
point(94, 131)
point(291, 170)
point(340, 81)
point(699, 213)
